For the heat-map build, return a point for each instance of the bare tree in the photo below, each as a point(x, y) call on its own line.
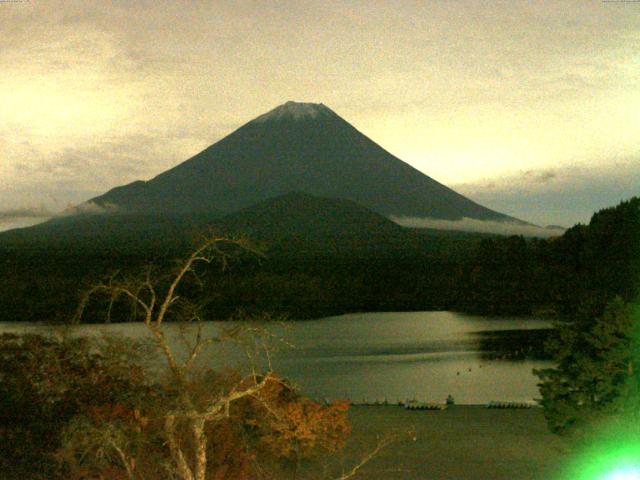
point(154, 299)
point(155, 303)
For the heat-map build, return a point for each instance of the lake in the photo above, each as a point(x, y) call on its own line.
point(377, 356)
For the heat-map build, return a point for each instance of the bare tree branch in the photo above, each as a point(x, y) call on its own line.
point(176, 451)
point(382, 443)
point(156, 297)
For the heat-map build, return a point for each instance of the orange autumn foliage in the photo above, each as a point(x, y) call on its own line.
point(295, 427)
point(265, 436)
point(276, 429)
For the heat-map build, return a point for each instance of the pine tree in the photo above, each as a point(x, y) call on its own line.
point(595, 375)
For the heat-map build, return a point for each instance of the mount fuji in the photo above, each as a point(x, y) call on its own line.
point(296, 147)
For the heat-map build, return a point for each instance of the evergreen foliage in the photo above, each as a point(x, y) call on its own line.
point(595, 370)
point(598, 368)
point(349, 260)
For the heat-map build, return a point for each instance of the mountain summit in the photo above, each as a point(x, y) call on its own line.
point(302, 147)
point(296, 111)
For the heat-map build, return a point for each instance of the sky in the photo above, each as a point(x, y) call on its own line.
point(531, 108)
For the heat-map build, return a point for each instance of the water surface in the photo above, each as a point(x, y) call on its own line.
point(377, 356)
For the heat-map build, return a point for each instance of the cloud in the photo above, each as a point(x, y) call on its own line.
point(480, 226)
point(90, 208)
point(27, 212)
point(562, 196)
point(111, 92)
point(23, 217)
point(97, 166)
point(541, 176)
point(28, 216)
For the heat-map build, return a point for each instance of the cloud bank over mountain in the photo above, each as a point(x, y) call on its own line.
point(23, 217)
point(479, 226)
point(564, 195)
point(34, 212)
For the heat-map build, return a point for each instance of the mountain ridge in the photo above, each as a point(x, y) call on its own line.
point(295, 147)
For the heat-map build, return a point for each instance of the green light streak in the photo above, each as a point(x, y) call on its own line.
point(612, 452)
point(616, 458)
point(625, 473)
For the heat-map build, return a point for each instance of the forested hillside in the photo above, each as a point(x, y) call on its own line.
point(575, 274)
point(329, 271)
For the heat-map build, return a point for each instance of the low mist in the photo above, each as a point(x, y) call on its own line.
point(481, 226)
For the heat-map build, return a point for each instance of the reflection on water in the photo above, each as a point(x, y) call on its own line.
point(371, 356)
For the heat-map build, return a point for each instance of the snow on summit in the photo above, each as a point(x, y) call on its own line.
point(295, 110)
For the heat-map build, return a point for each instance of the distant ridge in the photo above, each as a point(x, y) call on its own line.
point(295, 215)
point(305, 216)
point(303, 147)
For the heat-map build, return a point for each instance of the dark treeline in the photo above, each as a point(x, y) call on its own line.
point(576, 274)
point(296, 278)
point(304, 277)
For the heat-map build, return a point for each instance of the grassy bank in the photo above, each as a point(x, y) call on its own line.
point(461, 442)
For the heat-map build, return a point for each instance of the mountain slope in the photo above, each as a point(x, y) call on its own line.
point(295, 147)
point(295, 215)
point(295, 224)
